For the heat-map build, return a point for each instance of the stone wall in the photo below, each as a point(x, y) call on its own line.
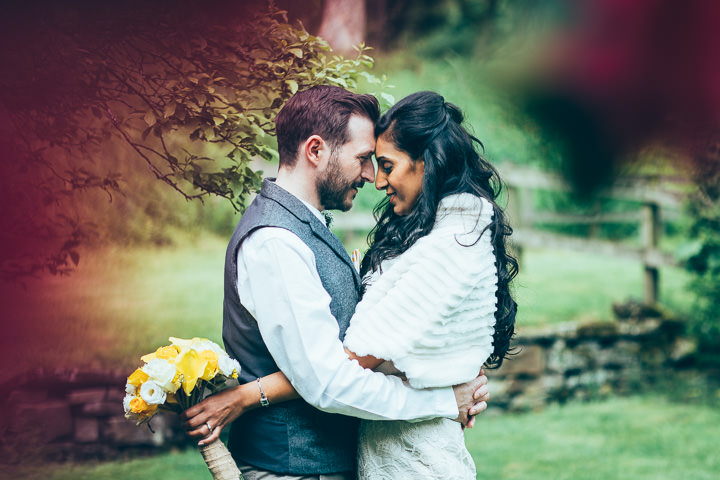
point(581, 361)
point(73, 414)
point(64, 414)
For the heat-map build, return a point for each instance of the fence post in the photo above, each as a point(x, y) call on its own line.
point(650, 233)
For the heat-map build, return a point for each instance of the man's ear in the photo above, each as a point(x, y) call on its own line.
point(314, 149)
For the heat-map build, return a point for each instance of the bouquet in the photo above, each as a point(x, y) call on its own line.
point(176, 377)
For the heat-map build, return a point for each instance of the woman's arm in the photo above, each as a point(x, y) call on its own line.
point(224, 407)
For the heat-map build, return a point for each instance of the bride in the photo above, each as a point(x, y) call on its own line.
point(437, 305)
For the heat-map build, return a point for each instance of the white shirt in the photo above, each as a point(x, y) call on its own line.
point(279, 285)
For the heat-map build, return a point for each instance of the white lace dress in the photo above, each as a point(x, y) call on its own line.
point(398, 450)
point(430, 315)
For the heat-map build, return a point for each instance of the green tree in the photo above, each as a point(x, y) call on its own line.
point(701, 253)
point(168, 81)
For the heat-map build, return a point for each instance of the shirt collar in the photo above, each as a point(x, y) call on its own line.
point(310, 207)
point(314, 210)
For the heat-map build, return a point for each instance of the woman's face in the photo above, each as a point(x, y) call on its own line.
point(398, 175)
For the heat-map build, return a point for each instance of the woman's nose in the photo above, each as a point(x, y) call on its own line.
point(381, 180)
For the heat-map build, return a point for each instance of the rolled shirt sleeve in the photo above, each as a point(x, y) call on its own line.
point(279, 285)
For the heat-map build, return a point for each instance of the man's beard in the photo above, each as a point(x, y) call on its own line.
point(333, 187)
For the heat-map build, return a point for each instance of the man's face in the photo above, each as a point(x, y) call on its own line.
point(348, 167)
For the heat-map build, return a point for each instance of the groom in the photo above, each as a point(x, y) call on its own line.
point(290, 290)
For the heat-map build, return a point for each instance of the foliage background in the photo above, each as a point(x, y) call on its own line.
point(150, 269)
point(107, 100)
point(97, 90)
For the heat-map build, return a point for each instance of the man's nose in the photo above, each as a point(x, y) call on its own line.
point(368, 172)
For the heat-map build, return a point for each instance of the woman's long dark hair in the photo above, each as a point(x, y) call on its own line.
point(426, 127)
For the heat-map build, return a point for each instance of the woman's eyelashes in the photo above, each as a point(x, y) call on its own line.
point(385, 166)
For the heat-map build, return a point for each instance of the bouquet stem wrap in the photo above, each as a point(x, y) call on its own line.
point(220, 462)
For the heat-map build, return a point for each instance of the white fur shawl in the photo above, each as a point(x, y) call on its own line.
point(432, 309)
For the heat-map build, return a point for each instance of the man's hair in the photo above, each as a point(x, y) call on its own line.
point(322, 110)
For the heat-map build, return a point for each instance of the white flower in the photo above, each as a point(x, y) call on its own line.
point(162, 373)
point(126, 402)
point(198, 344)
point(130, 389)
point(227, 365)
point(152, 393)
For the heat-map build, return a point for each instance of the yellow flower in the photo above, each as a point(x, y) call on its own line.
point(138, 405)
point(137, 378)
point(168, 353)
point(211, 368)
point(192, 367)
point(177, 380)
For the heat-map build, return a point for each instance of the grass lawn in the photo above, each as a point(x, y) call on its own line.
point(640, 438)
point(559, 286)
point(122, 303)
point(118, 305)
point(637, 438)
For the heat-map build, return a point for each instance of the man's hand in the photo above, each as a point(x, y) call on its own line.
point(206, 420)
point(471, 399)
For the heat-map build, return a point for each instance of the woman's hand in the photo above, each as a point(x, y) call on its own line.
point(368, 361)
point(471, 399)
point(207, 419)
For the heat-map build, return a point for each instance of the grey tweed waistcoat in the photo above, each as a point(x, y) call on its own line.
point(291, 437)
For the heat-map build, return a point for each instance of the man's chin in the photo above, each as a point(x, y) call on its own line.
point(349, 202)
point(341, 208)
point(339, 203)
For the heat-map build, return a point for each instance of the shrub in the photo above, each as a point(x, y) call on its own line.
point(701, 254)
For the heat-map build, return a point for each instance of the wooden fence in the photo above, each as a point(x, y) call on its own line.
point(658, 196)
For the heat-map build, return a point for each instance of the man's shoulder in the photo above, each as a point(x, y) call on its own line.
point(271, 210)
point(275, 238)
point(270, 233)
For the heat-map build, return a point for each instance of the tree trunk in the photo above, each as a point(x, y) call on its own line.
point(343, 24)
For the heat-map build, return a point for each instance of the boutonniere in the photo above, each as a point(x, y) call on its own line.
point(328, 218)
point(356, 259)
